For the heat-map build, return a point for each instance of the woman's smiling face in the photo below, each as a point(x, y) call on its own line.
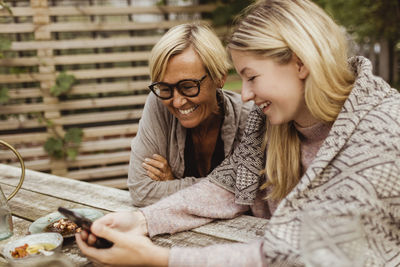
point(278, 89)
point(190, 111)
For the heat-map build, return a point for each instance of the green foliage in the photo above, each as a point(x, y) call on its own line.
point(64, 147)
point(73, 136)
point(225, 13)
point(18, 70)
point(161, 3)
point(4, 97)
point(366, 18)
point(63, 84)
point(54, 147)
point(5, 44)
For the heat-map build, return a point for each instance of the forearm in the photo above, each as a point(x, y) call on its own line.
point(145, 191)
point(190, 208)
point(238, 254)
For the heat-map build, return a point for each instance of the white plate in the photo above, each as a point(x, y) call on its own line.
point(40, 224)
point(52, 238)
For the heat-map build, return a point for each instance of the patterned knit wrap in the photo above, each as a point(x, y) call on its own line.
point(239, 173)
point(355, 174)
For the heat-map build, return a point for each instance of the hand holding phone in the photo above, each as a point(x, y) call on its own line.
point(85, 224)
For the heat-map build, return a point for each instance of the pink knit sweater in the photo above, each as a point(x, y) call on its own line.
point(205, 201)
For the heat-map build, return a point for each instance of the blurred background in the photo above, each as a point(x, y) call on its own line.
point(73, 73)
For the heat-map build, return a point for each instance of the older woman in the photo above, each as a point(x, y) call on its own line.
point(189, 124)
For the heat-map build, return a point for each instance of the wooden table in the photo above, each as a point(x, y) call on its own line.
point(43, 193)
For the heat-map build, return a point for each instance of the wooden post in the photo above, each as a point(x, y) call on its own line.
point(41, 20)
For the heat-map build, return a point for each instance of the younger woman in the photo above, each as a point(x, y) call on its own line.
point(331, 148)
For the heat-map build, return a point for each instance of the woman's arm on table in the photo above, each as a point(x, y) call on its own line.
point(195, 206)
point(191, 207)
point(152, 138)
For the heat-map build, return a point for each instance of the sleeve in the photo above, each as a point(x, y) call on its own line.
point(148, 141)
point(190, 208)
point(238, 254)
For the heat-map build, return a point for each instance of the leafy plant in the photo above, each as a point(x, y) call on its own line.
point(5, 44)
point(55, 147)
point(63, 84)
point(4, 97)
point(73, 139)
point(64, 147)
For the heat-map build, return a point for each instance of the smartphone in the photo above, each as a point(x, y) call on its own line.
point(85, 224)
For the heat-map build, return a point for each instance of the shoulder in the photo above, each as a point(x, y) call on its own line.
point(155, 115)
point(155, 108)
point(152, 102)
point(387, 111)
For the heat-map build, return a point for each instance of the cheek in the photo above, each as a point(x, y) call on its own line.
point(167, 103)
point(207, 97)
point(296, 100)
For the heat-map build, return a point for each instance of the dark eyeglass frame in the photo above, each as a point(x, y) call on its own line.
point(176, 85)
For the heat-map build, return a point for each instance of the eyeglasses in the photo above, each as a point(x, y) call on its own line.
point(186, 87)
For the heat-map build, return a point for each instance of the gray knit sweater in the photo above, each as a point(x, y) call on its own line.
point(353, 178)
point(161, 133)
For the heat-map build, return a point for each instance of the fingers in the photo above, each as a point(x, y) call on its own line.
point(153, 172)
point(86, 249)
point(91, 239)
point(84, 235)
point(160, 159)
point(157, 162)
point(107, 233)
point(158, 168)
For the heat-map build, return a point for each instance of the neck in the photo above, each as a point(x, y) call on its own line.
point(306, 120)
point(208, 125)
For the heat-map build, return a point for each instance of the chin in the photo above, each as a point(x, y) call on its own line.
point(188, 124)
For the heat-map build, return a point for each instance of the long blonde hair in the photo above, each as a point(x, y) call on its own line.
point(278, 29)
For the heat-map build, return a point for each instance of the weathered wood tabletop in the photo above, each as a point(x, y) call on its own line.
point(43, 193)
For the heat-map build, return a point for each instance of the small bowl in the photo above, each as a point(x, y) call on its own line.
point(43, 238)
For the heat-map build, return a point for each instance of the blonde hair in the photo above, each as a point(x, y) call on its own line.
point(196, 35)
point(278, 29)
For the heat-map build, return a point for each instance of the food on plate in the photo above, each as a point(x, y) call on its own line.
point(25, 250)
point(20, 252)
point(35, 248)
point(64, 227)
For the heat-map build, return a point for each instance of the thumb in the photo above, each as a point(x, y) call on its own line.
point(106, 232)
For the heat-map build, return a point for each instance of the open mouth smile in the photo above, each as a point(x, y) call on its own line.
point(264, 105)
point(187, 111)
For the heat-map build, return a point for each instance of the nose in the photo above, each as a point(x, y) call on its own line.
point(178, 100)
point(247, 94)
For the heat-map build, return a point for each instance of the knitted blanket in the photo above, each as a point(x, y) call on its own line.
point(355, 178)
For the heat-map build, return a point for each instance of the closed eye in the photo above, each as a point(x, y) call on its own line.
point(251, 78)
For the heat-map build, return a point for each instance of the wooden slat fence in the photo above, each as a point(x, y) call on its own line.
point(106, 48)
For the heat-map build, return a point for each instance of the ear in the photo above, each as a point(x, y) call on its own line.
point(222, 81)
point(301, 68)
